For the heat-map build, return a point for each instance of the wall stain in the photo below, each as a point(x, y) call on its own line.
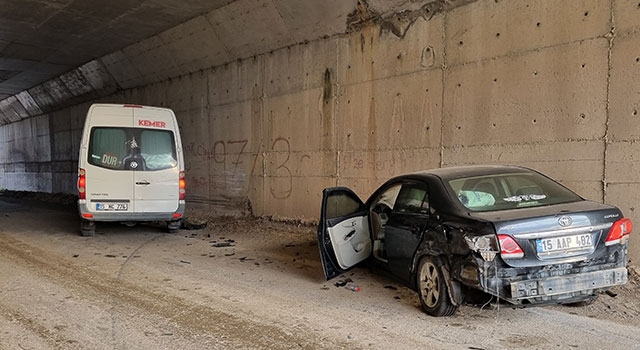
point(397, 22)
point(327, 112)
point(327, 87)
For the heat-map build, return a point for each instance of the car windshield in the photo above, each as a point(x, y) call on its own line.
point(509, 191)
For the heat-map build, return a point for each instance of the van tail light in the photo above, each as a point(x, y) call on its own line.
point(619, 232)
point(509, 248)
point(183, 185)
point(82, 184)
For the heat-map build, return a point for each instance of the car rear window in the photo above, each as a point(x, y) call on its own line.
point(132, 148)
point(510, 191)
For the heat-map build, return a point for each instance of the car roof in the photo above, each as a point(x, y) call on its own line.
point(454, 172)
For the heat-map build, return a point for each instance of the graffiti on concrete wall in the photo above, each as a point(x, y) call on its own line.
point(224, 152)
point(373, 164)
point(282, 169)
point(239, 164)
point(230, 155)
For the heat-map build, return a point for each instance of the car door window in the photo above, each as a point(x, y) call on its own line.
point(382, 207)
point(412, 199)
point(339, 205)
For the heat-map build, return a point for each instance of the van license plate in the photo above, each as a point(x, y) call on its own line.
point(112, 206)
point(566, 242)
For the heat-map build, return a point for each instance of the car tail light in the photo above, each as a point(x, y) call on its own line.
point(619, 232)
point(82, 184)
point(509, 248)
point(485, 245)
point(183, 185)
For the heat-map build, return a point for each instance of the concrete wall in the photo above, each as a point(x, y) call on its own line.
point(25, 155)
point(547, 84)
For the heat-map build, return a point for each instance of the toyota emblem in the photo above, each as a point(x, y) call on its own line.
point(133, 165)
point(565, 221)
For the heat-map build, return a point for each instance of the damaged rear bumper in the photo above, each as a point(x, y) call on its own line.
point(550, 284)
point(568, 286)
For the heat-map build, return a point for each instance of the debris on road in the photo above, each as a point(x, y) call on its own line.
point(193, 224)
point(223, 244)
point(353, 288)
point(343, 282)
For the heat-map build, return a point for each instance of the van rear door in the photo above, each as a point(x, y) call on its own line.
point(156, 180)
point(108, 188)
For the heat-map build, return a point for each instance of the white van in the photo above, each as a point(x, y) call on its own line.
point(130, 167)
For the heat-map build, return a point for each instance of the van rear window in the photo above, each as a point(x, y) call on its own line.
point(132, 148)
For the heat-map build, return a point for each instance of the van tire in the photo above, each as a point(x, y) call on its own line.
point(174, 226)
point(87, 228)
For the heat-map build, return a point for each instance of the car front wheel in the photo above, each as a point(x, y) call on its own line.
point(432, 288)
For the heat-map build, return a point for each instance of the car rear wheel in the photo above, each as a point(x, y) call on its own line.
point(432, 288)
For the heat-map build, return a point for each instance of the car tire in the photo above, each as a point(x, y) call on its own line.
point(87, 228)
point(432, 288)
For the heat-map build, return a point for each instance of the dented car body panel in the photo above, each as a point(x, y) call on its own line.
point(507, 231)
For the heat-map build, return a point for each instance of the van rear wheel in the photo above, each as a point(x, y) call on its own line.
point(87, 228)
point(174, 226)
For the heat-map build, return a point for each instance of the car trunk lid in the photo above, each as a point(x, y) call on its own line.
point(559, 233)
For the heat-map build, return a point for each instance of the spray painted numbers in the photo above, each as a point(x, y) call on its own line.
point(221, 152)
point(229, 153)
point(283, 169)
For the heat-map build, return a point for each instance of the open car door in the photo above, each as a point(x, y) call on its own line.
point(343, 232)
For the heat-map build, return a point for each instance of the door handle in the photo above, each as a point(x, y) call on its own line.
point(349, 235)
point(145, 182)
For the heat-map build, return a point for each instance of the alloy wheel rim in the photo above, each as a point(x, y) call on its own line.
point(429, 284)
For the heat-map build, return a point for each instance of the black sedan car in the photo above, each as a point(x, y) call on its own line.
point(510, 232)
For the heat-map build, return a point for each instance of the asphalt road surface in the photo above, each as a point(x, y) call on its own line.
point(244, 283)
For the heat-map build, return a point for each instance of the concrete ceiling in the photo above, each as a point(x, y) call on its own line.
point(58, 53)
point(42, 39)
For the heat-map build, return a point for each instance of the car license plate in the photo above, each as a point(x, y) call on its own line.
point(112, 206)
point(565, 242)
